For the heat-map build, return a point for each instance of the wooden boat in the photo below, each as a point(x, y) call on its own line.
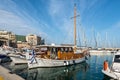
point(54, 56)
point(114, 70)
point(57, 55)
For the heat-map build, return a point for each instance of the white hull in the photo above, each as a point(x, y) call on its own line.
point(114, 75)
point(40, 62)
point(97, 52)
point(17, 60)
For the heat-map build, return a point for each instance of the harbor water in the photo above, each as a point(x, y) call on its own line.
point(89, 70)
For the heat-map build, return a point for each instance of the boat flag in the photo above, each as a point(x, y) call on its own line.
point(33, 60)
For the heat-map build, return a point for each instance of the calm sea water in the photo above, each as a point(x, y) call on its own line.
point(89, 70)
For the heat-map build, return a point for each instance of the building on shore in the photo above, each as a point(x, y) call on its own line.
point(33, 39)
point(30, 40)
point(8, 38)
point(21, 44)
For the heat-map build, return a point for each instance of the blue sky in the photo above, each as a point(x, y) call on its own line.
point(51, 19)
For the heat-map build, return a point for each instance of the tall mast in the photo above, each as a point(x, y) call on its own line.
point(75, 41)
point(74, 24)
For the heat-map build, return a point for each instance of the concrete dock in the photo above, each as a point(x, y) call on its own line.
point(6, 74)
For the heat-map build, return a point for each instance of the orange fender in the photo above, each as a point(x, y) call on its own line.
point(105, 65)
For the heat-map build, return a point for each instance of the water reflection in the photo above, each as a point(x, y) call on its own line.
point(20, 69)
point(89, 70)
point(59, 73)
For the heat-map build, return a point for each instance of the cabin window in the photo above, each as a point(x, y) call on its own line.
point(53, 50)
point(117, 58)
point(70, 49)
point(56, 50)
point(43, 49)
point(66, 49)
point(62, 49)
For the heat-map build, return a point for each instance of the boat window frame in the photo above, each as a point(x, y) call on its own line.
point(62, 49)
point(70, 49)
point(66, 49)
point(117, 58)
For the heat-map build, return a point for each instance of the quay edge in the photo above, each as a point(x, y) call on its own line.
point(6, 75)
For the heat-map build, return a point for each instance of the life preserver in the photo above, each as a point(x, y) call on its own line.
point(105, 65)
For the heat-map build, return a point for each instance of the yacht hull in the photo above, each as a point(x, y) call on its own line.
point(17, 60)
point(41, 62)
point(111, 74)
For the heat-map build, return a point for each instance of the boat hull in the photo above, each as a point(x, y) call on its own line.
point(97, 52)
point(40, 62)
point(111, 74)
point(2, 56)
point(17, 60)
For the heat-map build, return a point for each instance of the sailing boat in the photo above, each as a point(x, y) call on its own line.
point(56, 55)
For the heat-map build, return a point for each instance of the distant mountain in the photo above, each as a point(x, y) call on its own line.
point(20, 38)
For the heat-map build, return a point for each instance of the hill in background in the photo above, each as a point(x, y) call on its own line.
point(20, 38)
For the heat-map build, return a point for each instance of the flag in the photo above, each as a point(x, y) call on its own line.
point(33, 60)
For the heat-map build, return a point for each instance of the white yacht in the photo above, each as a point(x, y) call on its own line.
point(114, 70)
point(18, 58)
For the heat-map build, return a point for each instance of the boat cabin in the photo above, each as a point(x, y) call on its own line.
point(116, 62)
point(117, 58)
point(57, 52)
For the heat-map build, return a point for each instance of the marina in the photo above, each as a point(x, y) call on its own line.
point(91, 69)
point(59, 40)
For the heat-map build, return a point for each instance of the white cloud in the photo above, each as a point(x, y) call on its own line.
point(12, 22)
point(18, 20)
point(8, 18)
point(55, 7)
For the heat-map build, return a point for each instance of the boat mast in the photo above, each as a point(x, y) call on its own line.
point(75, 41)
point(75, 25)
